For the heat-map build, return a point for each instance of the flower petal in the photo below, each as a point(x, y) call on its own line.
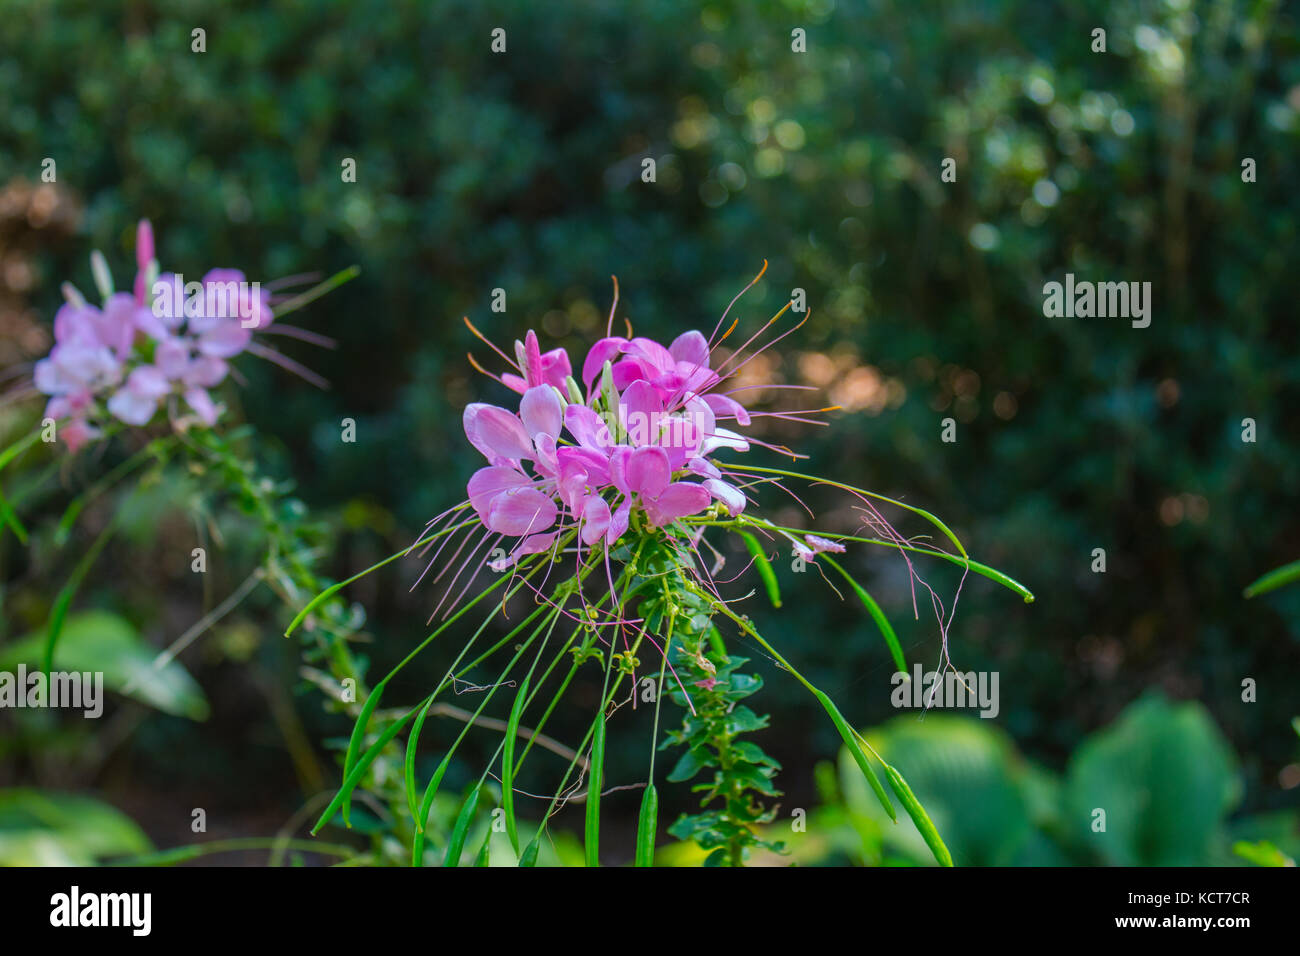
point(131, 407)
point(486, 483)
point(603, 351)
point(497, 432)
point(199, 400)
point(224, 338)
point(595, 464)
point(820, 544)
point(728, 494)
point(641, 412)
point(521, 511)
point(148, 382)
point(587, 427)
point(691, 347)
point(678, 500)
point(541, 411)
point(595, 519)
point(618, 521)
point(704, 468)
point(724, 407)
point(722, 438)
point(648, 471)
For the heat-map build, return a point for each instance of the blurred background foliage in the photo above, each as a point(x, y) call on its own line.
point(522, 171)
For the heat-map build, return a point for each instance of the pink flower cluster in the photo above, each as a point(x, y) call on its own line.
point(638, 438)
point(125, 358)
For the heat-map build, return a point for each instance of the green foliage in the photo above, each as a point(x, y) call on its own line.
point(1161, 772)
point(1165, 778)
point(514, 172)
point(104, 642)
point(738, 774)
point(44, 828)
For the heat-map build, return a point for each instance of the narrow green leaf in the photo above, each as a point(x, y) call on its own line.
point(10, 518)
point(430, 791)
point(412, 745)
point(594, 785)
point(529, 857)
point(354, 743)
point(64, 599)
point(716, 642)
point(313, 604)
point(764, 567)
point(1275, 579)
point(18, 447)
point(363, 764)
point(316, 291)
point(645, 827)
point(484, 856)
point(876, 613)
point(461, 828)
point(851, 741)
point(917, 812)
point(508, 765)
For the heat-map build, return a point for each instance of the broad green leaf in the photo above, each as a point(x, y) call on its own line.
point(42, 828)
point(98, 641)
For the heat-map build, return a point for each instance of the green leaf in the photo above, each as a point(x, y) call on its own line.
point(508, 764)
point(1261, 853)
point(529, 857)
point(42, 828)
point(458, 832)
point(484, 854)
point(645, 827)
point(69, 590)
point(101, 642)
point(354, 743)
point(363, 763)
point(688, 765)
point(851, 741)
point(742, 720)
point(408, 766)
point(917, 812)
point(596, 781)
point(764, 567)
point(1166, 779)
point(981, 795)
point(1278, 577)
point(10, 518)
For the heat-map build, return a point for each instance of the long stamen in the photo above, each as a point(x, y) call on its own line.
point(609, 325)
point(288, 364)
point(752, 282)
point(484, 339)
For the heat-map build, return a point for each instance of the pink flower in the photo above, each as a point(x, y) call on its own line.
point(549, 369)
point(815, 546)
point(137, 401)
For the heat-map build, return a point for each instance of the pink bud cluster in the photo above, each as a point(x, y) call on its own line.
point(127, 357)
